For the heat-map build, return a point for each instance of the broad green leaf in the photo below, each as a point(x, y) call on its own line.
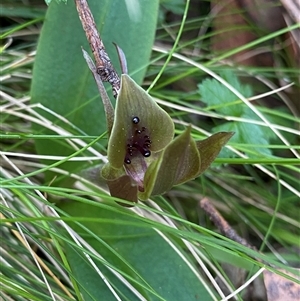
point(223, 101)
point(210, 147)
point(247, 133)
point(21, 10)
point(219, 97)
point(137, 251)
point(62, 80)
point(179, 162)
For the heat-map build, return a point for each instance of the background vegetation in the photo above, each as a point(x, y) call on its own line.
point(217, 67)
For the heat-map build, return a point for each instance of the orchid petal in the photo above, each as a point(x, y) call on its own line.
point(179, 162)
point(210, 147)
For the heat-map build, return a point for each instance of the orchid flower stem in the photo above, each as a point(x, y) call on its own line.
point(103, 63)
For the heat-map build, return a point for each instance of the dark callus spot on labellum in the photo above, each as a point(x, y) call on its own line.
point(135, 120)
point(139, 142)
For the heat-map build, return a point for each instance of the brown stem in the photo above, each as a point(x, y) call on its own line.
point(221, 224)
point(103, 63)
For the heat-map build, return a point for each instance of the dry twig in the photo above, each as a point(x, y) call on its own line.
point(103, 63)
point(221, 224)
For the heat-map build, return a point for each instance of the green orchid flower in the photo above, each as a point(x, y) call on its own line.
point(144, 159)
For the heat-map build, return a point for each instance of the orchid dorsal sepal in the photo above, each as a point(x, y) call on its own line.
point(153, 132)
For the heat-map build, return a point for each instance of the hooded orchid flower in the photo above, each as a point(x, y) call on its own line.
point(144, 158)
